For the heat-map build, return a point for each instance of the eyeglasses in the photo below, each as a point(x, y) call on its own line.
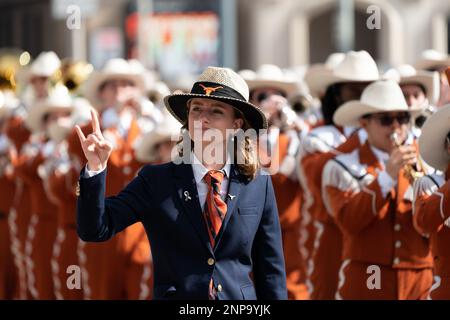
point(387, 120)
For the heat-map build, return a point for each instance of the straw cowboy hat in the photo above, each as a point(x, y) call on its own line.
point(315, 71)
point(380, 96)
point(114, 69)
point(432, 59)
point(269, 75)
point(168, 129)
point(222, 84)
point(432, 141)
point(58, 99)
point(357, 66)
point(407, 74)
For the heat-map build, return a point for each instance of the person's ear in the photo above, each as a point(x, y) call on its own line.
point(364, 122)
point(238, 123)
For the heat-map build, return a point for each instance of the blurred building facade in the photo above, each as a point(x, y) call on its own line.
point(250, 32)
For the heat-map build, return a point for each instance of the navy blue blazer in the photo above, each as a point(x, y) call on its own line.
point(183, 259)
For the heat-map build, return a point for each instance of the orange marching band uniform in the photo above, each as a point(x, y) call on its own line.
point(432, 218)
point(378, 230)
point(325, 247)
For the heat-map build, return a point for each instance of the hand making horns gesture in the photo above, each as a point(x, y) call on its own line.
point(95, 147)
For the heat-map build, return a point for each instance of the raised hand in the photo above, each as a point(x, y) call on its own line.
point(95, 147)
point(400, 157)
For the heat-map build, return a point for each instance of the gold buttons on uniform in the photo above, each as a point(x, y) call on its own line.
point(219, 288)
point(126, 170)
point(396, 260)
point(211, 261)
point(397, 227)
point(398, 244)
point(77, 189)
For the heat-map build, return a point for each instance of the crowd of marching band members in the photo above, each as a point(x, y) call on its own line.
point(361, 176)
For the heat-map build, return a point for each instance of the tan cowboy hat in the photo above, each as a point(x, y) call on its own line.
point(380, 96)
point(168, 129)
point(432, 59)
point(407, 74)
point(316, 71)
point(222, 84)
point(58, 99)
point(113, 69)
point(269, 75)
point(357, 66)
point(432, 140)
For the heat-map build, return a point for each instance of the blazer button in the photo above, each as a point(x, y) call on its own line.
point(396, 260)
point(219, 288)
point(398, 244)
point(211, 261)
point(397, 227)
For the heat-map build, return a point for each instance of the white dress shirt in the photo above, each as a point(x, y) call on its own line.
point(202, 187)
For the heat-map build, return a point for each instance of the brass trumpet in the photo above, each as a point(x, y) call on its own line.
point(72, 74)
point(410, 172)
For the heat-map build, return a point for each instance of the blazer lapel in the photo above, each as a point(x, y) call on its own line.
point(234, 188)
point(187, 194)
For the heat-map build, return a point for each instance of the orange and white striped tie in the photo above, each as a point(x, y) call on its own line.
point(214, 213)
point(215, 207)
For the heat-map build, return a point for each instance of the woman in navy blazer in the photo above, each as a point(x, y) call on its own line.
point(246, 260)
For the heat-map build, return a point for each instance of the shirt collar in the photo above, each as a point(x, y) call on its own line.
point(382, 156)
point(200, 170)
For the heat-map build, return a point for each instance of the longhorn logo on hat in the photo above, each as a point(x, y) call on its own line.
point(208, 90)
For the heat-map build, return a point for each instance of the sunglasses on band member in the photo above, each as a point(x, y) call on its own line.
point(386, 119)
point(263, 96)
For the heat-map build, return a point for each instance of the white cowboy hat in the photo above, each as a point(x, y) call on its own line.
point(432, 59)
point(58, 99)
point(81, 114)
point(8, 102)
point(222, 84)
point(316, 71)
point(113, 69)
point(45, 65)
point(168, 129)
point(407, 74)
point(157, 93)
point(432, 141)
point(357, 66)
point(269, 75)
point(380, 96)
